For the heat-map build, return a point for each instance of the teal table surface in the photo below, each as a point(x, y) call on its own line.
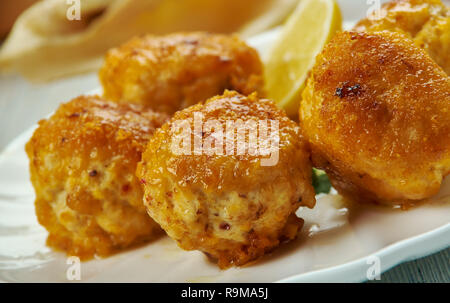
point(431, 269)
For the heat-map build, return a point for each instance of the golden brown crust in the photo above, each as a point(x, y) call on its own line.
point(169, 73)
point(228, 206)
point(376, 112)
point(82, 163)
point(427, 22)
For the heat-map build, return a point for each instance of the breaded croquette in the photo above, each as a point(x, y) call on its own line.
point(427, 22)
point(82, 163)
point(228, 204)
point(169, 73)
point(376, 112)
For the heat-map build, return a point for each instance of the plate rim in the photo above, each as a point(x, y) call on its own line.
point(392, 255)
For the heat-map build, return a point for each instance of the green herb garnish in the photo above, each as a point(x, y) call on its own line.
point(320, 181)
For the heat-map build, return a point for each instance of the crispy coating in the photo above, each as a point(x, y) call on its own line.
point(427, 22)
point(379, 124)
point(169, 73)
point(229, 206)
point(82, 163)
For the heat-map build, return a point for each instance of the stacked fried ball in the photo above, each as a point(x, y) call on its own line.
point(230, 206)
point(379, 124)
point(425, 22)
point(376, 108)
point(82, 163)
point(169, 73)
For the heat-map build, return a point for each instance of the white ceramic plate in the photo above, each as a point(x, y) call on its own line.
point(338, 243)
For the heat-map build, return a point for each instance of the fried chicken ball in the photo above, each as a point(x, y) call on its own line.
point(169, 73)
point(82, 163)
point(376, 112)
point(427, 22)
point(226, 203)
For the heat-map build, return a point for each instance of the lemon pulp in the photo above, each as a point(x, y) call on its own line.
point(305, 33)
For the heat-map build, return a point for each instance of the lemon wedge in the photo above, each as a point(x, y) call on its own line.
point(305, 33)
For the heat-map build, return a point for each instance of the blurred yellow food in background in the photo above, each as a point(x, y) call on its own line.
point(305, 33)
point(9, 11)
point(44, 44)
point(426, 22)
